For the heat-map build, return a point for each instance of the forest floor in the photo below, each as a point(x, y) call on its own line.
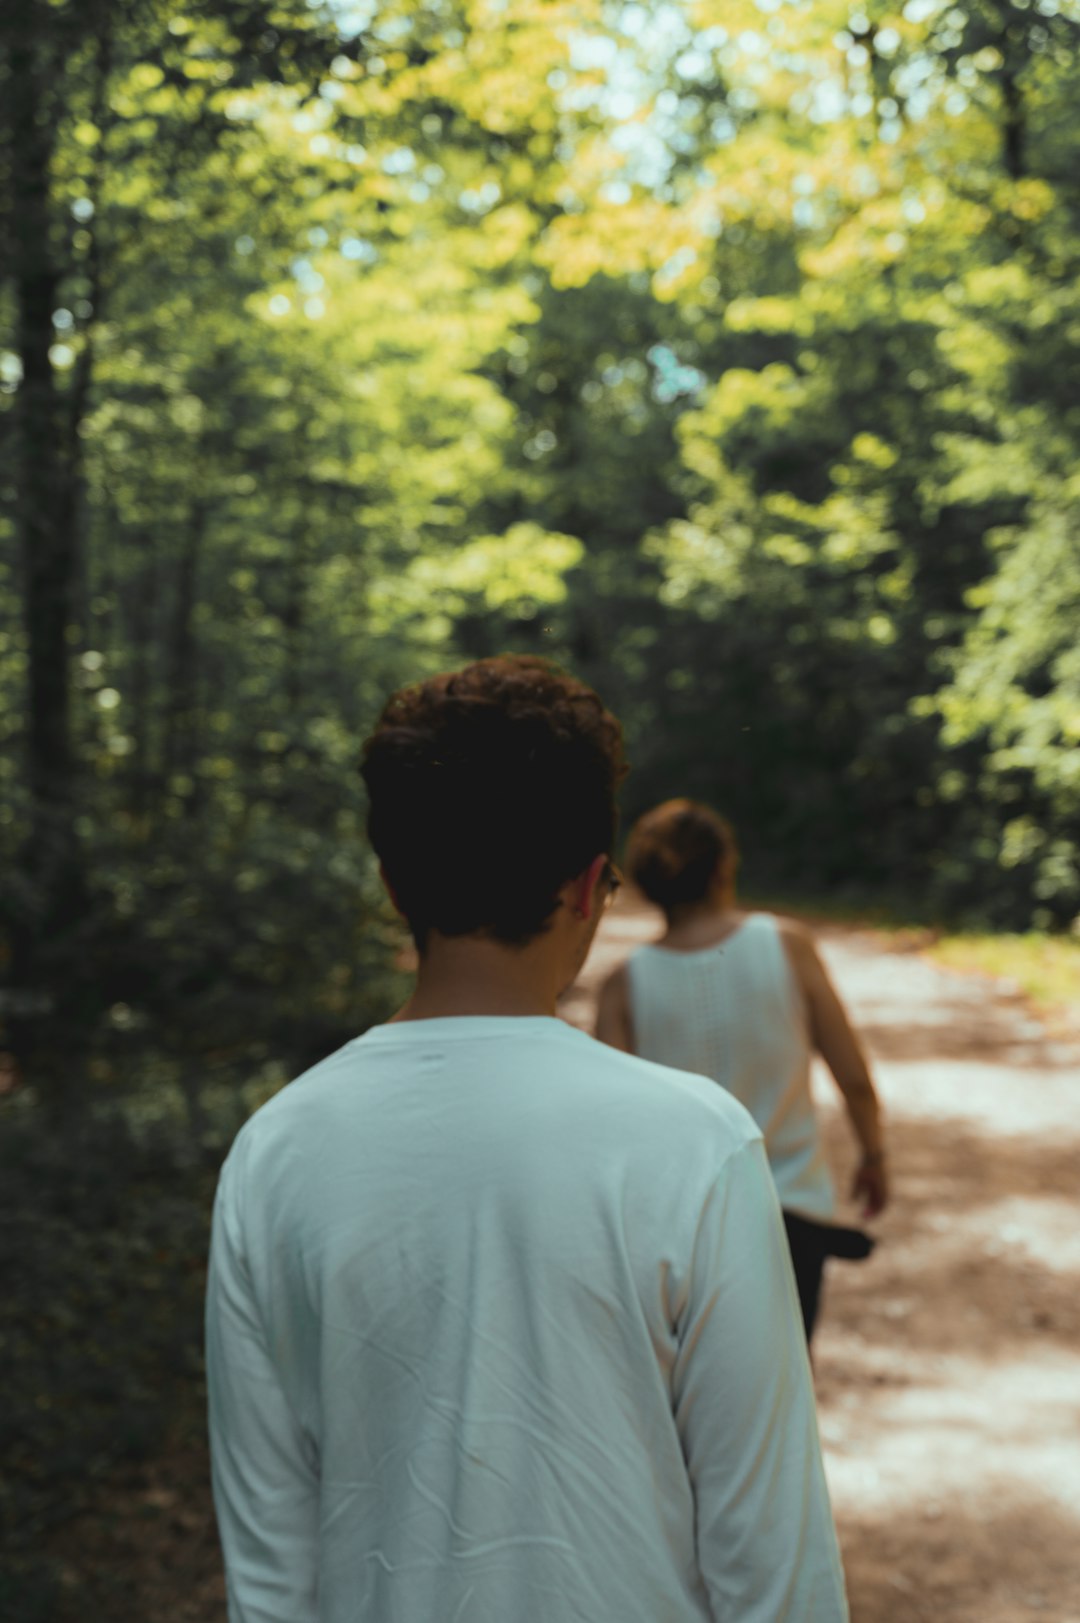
point(947, 1367)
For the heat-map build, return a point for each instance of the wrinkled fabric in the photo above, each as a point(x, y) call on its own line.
point(501, 1328)
point(734, 1013)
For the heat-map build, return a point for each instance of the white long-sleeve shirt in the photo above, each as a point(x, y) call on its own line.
point(501, 1328)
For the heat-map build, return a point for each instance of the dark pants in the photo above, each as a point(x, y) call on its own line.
point(810, 1243)
point(808, 1258)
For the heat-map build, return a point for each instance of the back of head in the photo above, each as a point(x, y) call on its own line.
point(676, 851)
point(489, 788)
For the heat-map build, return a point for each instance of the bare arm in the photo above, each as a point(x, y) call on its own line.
point(839, 1047)
point(613, 1023)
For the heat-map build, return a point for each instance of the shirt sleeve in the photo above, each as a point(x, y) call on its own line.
point(264, 1467)
point(744, 1408)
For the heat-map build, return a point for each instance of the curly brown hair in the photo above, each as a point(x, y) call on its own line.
point(674, 851)
point(489, 788)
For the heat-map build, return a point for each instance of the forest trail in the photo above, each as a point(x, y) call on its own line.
point(947, 1367)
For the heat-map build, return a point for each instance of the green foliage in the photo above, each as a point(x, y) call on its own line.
point(1045, 968)
point(875, 466)
point(1017, 691)
point(284, 249)
point(730, 356)
point(102, 1244)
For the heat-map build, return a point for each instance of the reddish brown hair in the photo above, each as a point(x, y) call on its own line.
point(674, 851)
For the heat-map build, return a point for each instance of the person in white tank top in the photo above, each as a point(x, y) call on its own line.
point(744, 998)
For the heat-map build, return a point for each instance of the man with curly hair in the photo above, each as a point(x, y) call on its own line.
point(501, 1324)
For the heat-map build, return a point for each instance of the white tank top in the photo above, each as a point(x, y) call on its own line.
point(734, 1012)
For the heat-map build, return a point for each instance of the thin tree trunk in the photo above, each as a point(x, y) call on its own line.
point(181, 715)
point(293, 624)
point(44, 497)
point(77, 398)
point(139, 634)
point(1014, 132)
point(51, 898)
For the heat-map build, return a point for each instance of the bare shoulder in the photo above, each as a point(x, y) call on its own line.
point(797, 937)
point(613, 990)
point(800, 949)
point(614, 1024)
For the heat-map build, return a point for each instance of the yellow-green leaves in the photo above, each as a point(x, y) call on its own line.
point(516, 573)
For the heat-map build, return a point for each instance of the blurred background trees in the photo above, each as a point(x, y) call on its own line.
point(730, 354)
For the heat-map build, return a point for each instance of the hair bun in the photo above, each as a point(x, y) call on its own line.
point(676, 850)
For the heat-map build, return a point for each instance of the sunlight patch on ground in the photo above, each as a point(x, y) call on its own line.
point(1042, 1229)
point(964, 1426)
point(975, 1094)
point(985, 1097)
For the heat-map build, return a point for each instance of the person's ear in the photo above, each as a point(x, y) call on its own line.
point(585, 900)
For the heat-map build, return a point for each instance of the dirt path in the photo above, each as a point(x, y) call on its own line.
point(948, 1367)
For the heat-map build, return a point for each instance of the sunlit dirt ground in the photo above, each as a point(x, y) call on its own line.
point(948, 1366)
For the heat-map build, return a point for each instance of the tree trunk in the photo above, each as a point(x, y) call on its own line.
point(181, 717)
point(292, 620)
point(139, 635)
point(1014, 131)
point(77, 396)
point(52, 893)
point(44, 498)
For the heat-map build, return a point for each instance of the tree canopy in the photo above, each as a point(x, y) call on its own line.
point(729, 354)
